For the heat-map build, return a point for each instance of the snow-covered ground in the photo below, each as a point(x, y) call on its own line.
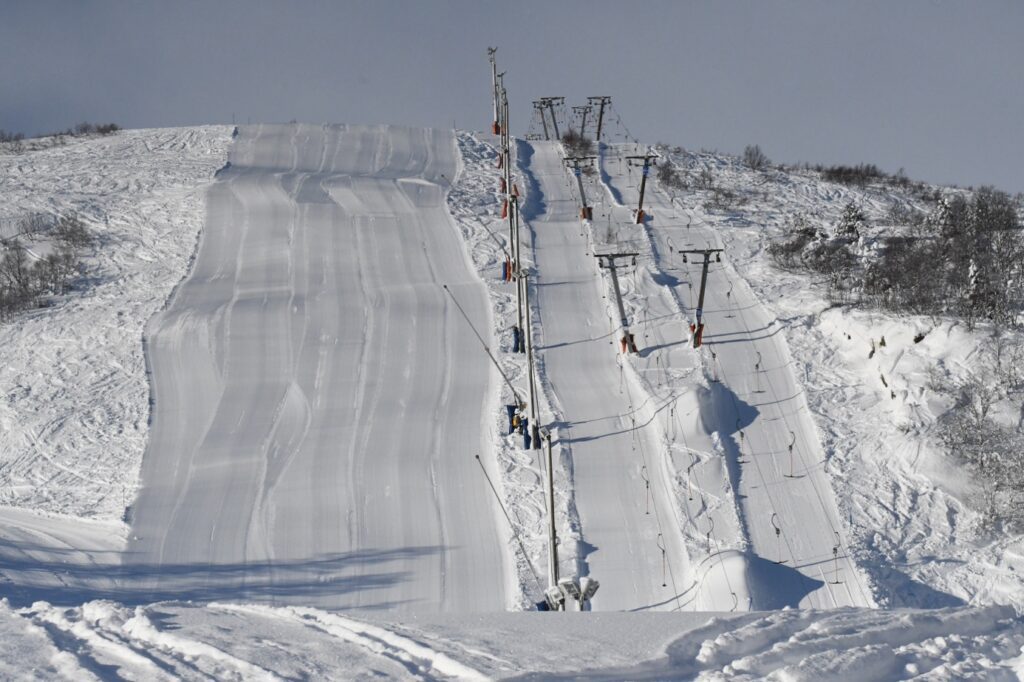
point(75, 408)
point(905, 501)
point(322, 256)
point(225, 641)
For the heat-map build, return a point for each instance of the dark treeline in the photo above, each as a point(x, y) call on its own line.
point(966, 258)
point(85, 128)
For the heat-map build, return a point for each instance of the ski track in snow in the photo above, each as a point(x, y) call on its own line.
point(748, 411)
point(904, 501)
point(601, 426)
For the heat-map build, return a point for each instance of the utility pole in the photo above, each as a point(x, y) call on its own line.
point(582, 113)
point(540, 105)
point(601, 101)
point(698, 328)
point(648, 161)
point(607, 260)
point(524, 277)
point(550, 102)
point(586, 212)
point(501, 104)
point(552, 533)
point(496, 127)
point(514, 271)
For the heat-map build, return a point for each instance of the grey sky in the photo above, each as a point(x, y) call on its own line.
point(934, 87)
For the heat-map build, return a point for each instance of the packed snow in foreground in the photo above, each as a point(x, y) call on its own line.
point(163, 641)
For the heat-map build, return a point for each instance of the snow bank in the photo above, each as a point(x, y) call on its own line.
point(74, 413)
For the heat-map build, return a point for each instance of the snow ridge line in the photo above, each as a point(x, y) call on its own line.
point(418, 658)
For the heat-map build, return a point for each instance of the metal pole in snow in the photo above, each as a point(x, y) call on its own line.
point(552, 537)
point(582, 111)
point(554, 121)
point(494, 86)
point(618, 295)
point(534, 408)
point(647, 159)
point(507, 142)
point(539, 105)
point(513, 207)
point(607, 260)
point(699, 329)
point(578, 172)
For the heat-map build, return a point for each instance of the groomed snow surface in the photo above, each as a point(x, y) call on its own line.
point(312, 403)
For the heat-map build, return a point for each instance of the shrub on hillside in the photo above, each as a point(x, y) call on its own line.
point(24, 282)
point(992, 452)
point(577, 144)
point(966, 258)
point(669, 177)
point(860, 174)
point(754, 158)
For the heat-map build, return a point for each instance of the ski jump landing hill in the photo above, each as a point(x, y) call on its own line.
point(317, 404)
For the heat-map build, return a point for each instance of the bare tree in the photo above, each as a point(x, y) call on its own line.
point(754, 158)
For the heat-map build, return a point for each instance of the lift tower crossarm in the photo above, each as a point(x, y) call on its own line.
point(607, 260)
point(575, 161)
point(698, 329)
point(648, 161)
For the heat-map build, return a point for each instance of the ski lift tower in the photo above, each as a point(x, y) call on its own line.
point(601, 101)
point(549, 103)
point(539, 106)
point(647, 160)
point(586, 212)
point(607, 260)
point(582, 112)
point(698, 328)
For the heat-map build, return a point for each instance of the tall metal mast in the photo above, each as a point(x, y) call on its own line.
point(648, 161)
point(698, 328)
point(607, 260)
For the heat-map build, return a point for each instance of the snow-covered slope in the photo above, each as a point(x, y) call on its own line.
point(748, 409)
point(631, 543)
point(905, 501)
point(318, 402)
